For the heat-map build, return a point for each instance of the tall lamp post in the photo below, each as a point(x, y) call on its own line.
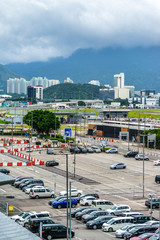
point(67, 191)
point(12, 135)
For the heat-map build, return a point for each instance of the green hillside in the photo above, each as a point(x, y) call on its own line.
point(72, 91)
point(5, 74)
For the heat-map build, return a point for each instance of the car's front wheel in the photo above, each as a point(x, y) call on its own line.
point(79, 194)
point(59, 206)
point(49, 237)
point(94, 227)
point(73, 205)
point(110, 229)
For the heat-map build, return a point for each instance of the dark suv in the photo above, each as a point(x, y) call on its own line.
point(152, 202)
point(50, 231)
point(34, 224)
point(131, 154)
point(157, 178)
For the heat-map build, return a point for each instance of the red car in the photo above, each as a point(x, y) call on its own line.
point(143, 236)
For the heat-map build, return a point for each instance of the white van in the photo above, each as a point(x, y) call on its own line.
point(102, 204)
point(33, 215)
point(117, 223)
point(41, 193)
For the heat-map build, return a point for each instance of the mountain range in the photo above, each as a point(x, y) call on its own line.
point(140, 65)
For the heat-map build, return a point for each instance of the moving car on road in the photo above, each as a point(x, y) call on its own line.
point(118, 166)
point(52, 163)
point(5, 171)
point(112, 150)
point(141, 157)
point(130, 154)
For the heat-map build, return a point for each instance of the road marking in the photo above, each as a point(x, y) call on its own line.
point(2, 190)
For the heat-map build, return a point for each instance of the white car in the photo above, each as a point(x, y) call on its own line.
point(41, 193)
point(112, 150)
point(87, 200)
point(74, 193)
point(27, 191)
point(96, 149)
point(24, 220)
point(156, 163)
point(20, 216)
point(118, 209)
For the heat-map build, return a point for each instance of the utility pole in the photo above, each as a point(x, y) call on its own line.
point(67, 191)
point(29, 140)
point(12, 135)
point(55, 127)
point(74, 162)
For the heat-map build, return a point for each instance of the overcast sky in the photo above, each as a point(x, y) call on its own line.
point(36, 30)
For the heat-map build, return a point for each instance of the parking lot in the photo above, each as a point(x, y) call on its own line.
point(93, 174)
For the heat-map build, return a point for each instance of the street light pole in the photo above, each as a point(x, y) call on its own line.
point(70, 210)
point(55, 127)
point(67, 190)
point(12, 135)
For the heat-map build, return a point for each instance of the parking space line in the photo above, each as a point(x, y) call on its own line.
point(2, 190)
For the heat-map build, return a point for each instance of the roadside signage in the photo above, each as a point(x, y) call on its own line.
point(68, 132)
point(26, 134)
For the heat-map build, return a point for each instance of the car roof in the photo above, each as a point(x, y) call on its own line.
point(53, 224)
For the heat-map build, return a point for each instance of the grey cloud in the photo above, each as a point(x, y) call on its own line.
point(36, 30)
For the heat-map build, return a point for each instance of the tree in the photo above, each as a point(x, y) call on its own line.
point(81, 103)
point(43, 121)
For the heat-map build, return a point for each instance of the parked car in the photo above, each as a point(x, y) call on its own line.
point(136, 231)
point(157, 178)
point(89, 150)
point(131, 214)
point(50, 231)
point(93, 215)
point(33, 215)
point(119, 233)
point(102, 204)
point(74, 150)
point(34, 224)
point(96, 195)
point(87, 201)
point(112, 150)
point(52, 163)
point(20, 180)
point(82, 149)
point(62, 203)
point(55, 199)
point(143, 236)
point(31, 185)
point(41, 193)
point(118, 166)
point(5, 171)
point(118, 209)
point(156, 163)
point(96, 149)
point(138, 219)
point(50, 151)
point(152, 202)
point(27, 191)
point(98, 222)
point(152, 223)
point(117, 223)
point(31, 181)
point(21, 215)
point(141, 157)
point(84, 212)
point(74, 193)
point(130, 154)
point(77, 210)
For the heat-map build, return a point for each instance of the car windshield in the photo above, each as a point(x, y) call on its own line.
point(110, 221)
point(114, 208)
point(133, 230)
point(21, 214)
point(126, 227)
point(85, 211)
point(99, 218)
point(93, 213)
point(26, 215)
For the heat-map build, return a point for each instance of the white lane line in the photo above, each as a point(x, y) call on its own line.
point(2, 190)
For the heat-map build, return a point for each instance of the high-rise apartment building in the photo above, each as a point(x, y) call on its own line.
point(119, 80)
point(35, 92)
point(17, 85)
point(68, 80)
point(35, 81)
point(53, 82)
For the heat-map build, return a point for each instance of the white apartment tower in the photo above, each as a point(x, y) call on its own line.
point(17, 85)
point(119, 80)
